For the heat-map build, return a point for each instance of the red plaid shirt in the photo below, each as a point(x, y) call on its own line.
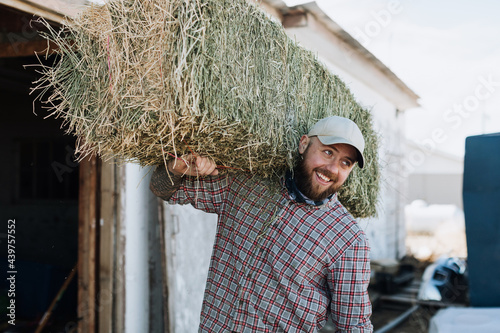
point(277, 265)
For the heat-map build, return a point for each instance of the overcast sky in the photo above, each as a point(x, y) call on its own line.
point(447, 51)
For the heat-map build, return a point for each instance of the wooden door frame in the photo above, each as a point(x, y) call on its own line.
point(101, 286)
point(88, 215)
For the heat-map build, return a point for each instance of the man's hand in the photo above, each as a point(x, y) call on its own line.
point(193, 165)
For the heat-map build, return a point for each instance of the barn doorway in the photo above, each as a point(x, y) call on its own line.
point(38, 196)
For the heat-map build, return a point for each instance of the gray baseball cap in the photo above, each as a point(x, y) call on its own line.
point(335, 129)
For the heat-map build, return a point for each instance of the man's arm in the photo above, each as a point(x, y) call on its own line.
point(350, 304)
point(166, 181)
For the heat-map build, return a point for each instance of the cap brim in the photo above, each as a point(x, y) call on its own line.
point(331, 140)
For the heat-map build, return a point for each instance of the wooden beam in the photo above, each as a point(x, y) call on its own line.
point(107, 247)
point(51, 10)
point(88, 216)
point(119, 298)
point(27, 48)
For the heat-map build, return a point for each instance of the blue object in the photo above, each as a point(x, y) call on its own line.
point(481, 198)
point(445, 281)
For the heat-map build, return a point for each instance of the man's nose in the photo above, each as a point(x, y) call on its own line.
point(333, 167)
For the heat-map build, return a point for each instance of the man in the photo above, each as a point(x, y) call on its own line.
point(286, 256)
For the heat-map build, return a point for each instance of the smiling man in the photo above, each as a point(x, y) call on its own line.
point(327, 156)
point(288, 257)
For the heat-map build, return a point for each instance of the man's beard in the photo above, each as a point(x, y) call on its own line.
point(304, 180)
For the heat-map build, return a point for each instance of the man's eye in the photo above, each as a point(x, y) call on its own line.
point(328, 152)
point(347, 163)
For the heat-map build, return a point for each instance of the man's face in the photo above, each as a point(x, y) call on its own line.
point(323, 169)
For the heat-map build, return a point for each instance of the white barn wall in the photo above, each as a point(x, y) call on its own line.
point(136, 205)
point(189, 237)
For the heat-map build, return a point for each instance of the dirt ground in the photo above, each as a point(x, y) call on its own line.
point(417, 322)
point(423, 249)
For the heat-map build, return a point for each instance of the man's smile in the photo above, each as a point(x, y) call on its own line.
point(323, 177)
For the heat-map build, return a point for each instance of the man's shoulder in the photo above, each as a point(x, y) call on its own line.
point(337, 210)
point(341, 222)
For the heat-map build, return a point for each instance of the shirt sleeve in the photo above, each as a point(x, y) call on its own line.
point(205, 193)
point(350, 275)
point(163, 183)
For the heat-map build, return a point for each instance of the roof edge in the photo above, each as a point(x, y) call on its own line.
point(52, 10)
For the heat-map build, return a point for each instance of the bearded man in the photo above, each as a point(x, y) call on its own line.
point(286, 257)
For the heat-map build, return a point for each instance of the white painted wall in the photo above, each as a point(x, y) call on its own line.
point(135, 207)
point(189, 236)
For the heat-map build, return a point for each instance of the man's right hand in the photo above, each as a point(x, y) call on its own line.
point(193, 165)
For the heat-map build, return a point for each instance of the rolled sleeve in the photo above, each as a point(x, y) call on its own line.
point(350, 303)
point(205, 193)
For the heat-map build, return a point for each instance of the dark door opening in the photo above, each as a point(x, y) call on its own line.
point(39, 201)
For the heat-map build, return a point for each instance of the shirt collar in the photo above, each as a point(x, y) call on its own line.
point(298, 196)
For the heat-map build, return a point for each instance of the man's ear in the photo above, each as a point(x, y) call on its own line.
point(303, 143)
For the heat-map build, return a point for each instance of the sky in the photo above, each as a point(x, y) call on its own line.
point(447, 51)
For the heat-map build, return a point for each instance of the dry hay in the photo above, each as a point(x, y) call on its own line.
point(141, 80)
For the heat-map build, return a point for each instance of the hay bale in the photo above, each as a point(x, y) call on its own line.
point(138, 80)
